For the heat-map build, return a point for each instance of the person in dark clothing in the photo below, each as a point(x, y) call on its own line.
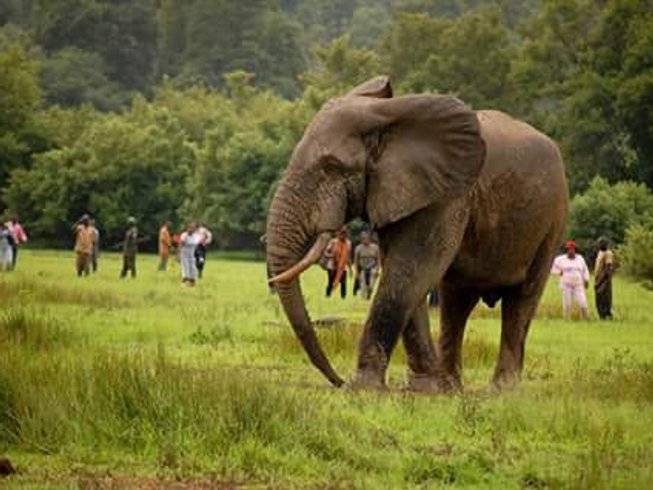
point(603, 271)
point(129, 249)
point(206, 237)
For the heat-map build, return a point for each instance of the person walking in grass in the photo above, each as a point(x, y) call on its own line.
point(19, 237)
point(95, 254)
point(165, 242)
point(129, 249)
point(367, 260)
point(205, 237)
point(6, 248)
point(188, 242)
point(84, 243)
point(604, 268)
point(338, 262)
point(574, 280)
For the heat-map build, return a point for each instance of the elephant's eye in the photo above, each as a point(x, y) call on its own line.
point(331, 164)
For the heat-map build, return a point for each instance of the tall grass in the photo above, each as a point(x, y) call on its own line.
point(242, 425)
point(103, 381)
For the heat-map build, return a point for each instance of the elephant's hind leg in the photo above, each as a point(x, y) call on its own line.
point(457, 304)
point(517, 310)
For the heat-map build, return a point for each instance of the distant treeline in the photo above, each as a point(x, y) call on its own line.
point(189, 109)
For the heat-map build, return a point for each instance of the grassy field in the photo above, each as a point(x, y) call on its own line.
point(144, 384)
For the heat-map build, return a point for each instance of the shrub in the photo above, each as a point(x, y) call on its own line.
point(608, 210)
point(637, 253)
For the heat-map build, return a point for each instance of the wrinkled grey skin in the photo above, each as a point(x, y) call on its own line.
point(474, 202)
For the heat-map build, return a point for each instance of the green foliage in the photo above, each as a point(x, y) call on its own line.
point(585, 77)
point(233, 84)
point(637, 252)
point(340, 67)
point(20, 98)
point(118, 166)
point(452, 62)
point(72, 76)
point(609, 210)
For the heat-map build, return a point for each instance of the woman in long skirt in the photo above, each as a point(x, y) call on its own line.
point(6, 244)
point(188, 243)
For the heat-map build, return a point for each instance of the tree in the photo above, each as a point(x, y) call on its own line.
point(608, 210)
point(120, 165)
point(72, 76)
point(122, 32)
point(453, 62)
point(586, 74)
point(20, 97)
point(339, 68)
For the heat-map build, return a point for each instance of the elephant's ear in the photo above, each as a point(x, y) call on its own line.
point(426, 149)
point(378, 87)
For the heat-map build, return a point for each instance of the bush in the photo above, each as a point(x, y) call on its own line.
point(637, 252)
point(608, 210)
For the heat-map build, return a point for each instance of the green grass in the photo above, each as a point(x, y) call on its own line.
point(115, 384)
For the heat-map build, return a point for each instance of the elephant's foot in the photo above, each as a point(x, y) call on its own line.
point(433, 383)
point(505, 379)
point(367, 380)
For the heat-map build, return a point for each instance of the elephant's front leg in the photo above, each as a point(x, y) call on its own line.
point(417, 252)
point(393, 306)
point(422, 360)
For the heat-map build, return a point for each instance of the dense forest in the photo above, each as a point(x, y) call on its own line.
point(189, 109)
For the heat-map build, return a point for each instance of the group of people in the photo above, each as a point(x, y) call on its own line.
point(12, 235)
point(191, 245)
point(575, 279)
point(336, 260)
point(571, 267)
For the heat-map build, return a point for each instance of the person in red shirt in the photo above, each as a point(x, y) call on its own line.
point(19, 236)
point(338, 262)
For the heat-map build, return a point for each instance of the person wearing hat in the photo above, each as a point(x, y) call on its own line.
point(604, 268)
point(84, 244)
point(574, 279)
point(129, 249)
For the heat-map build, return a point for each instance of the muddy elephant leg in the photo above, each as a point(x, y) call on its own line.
point(456, 306)
point(386, 321)
point(422, 361)
point(417, 253)
point(518, 307)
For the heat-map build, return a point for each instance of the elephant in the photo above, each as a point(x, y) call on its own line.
point(473, 202)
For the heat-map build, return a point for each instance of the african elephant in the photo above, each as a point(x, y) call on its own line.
point(474, 202)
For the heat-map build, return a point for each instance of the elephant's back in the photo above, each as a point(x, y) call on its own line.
point(520, 199)
point(518, 153)
point(511, 142)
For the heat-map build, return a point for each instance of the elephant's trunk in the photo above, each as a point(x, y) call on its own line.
point(287, 243)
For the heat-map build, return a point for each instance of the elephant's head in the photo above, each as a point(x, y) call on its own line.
point(365, 154)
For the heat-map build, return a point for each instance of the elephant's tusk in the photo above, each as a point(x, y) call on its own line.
point(312, 256)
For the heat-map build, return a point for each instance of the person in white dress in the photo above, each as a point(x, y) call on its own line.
point(188, 242)
point(6, 248)
point(574, 280)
